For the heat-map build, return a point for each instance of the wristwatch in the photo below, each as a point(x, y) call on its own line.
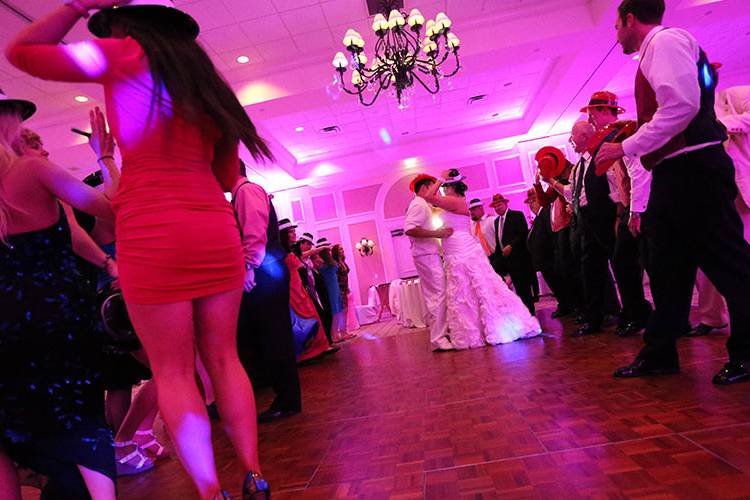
point(78, 7)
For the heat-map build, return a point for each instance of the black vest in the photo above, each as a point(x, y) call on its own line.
point(704, 127)
point(597, 186)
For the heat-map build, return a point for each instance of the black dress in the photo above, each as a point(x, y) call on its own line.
point(51, 397)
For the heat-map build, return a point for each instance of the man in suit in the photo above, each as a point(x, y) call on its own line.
point(541, 243)
point(511, 256)
point(594, 201)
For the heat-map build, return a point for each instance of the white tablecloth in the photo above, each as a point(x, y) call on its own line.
point(368, 314)
point(409, 306)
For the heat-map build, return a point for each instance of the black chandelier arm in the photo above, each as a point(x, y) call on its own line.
point(458, 66)
point(374, 97)
point(426, 87)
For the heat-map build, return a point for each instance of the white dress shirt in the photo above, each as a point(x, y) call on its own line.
point(640, 184)
point(570, 189)
point(669, 62)
point(487, 226)
point(419, 215)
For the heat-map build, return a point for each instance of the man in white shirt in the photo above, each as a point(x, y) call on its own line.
point(633, 189)
point(482, 226)
point(425, 249)
point(594, 200)
point(681, 140)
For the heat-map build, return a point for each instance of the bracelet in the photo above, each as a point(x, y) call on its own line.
point(78, 7)
point(104, 157)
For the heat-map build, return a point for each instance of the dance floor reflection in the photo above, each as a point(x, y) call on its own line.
point(386, 418)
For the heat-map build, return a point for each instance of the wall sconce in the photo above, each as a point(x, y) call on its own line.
point(365, 247)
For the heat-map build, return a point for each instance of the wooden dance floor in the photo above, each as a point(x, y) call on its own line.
point(386, 418)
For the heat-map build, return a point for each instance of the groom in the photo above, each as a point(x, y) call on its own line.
point(425, 250)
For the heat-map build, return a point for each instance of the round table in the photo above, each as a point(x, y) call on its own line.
point(410, 308)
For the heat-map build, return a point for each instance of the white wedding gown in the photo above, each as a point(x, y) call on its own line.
point(481, 308)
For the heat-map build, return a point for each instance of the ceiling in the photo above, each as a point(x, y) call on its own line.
point(537, 61)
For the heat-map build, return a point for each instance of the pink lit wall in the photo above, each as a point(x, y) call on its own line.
point(370, 269)
point(360, 200)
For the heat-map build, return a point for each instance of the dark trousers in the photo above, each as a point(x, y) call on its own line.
point(597, 248)
point(565, 273)
point(626, 264)
point(683, 234)
point(573, 264)
point(264, 336)
point(521, 278)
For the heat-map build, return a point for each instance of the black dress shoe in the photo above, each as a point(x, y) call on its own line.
point(732, 373)
point(702, 330)
point(586, 329)
point(270, 415)
point(630, 329)
point(641, 367)
point(579, 320)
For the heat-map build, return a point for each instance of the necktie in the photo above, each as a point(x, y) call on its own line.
point(482, 240)
point(500, 228)
point(579, 185)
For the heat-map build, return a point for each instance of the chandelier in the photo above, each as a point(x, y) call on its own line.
point(400, 58)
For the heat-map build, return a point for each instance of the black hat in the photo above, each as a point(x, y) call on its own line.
point(27, 108)
point(322, 242)
point(160, 10)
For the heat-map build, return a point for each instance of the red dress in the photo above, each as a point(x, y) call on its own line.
point(177, 237)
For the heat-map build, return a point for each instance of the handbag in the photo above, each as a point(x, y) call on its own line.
point(118, 330)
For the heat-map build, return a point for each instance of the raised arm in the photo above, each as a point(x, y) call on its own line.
point(67, 188)
point(103, 144)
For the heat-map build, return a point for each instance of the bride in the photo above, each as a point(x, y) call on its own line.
point(481, 308)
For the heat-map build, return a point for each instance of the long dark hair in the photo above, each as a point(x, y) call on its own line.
point(459, 187)
point(181, 66)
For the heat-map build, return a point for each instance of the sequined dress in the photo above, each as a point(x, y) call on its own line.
point(51, 397)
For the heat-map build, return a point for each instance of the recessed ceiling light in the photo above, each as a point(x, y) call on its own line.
point(81, 98)
point(243, 59)
point(299, 129)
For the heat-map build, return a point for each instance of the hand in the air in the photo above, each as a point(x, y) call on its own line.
point(634, 224)
point(609, 151)
point(444, 232)
point(101, 140)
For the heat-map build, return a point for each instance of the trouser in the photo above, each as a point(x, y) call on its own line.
point(522, 284)
point(568, 272)
point(432, 278)
point(597, 248)
point(682, 235)
point(264, 336)
point(626, 264)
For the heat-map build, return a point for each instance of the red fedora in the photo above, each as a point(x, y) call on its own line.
point(497, 199)
point(420, 177)
point(603, 99)
point(551, 161)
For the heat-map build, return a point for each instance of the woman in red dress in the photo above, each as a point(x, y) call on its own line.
point(178, 125)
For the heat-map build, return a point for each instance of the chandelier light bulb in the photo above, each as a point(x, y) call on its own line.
point(453, 41)
point(361, 59)
point(358, 246)
point(443, 21)
point(370, 243)
point(340, 61)
point(356, 78)
point(415, 18)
